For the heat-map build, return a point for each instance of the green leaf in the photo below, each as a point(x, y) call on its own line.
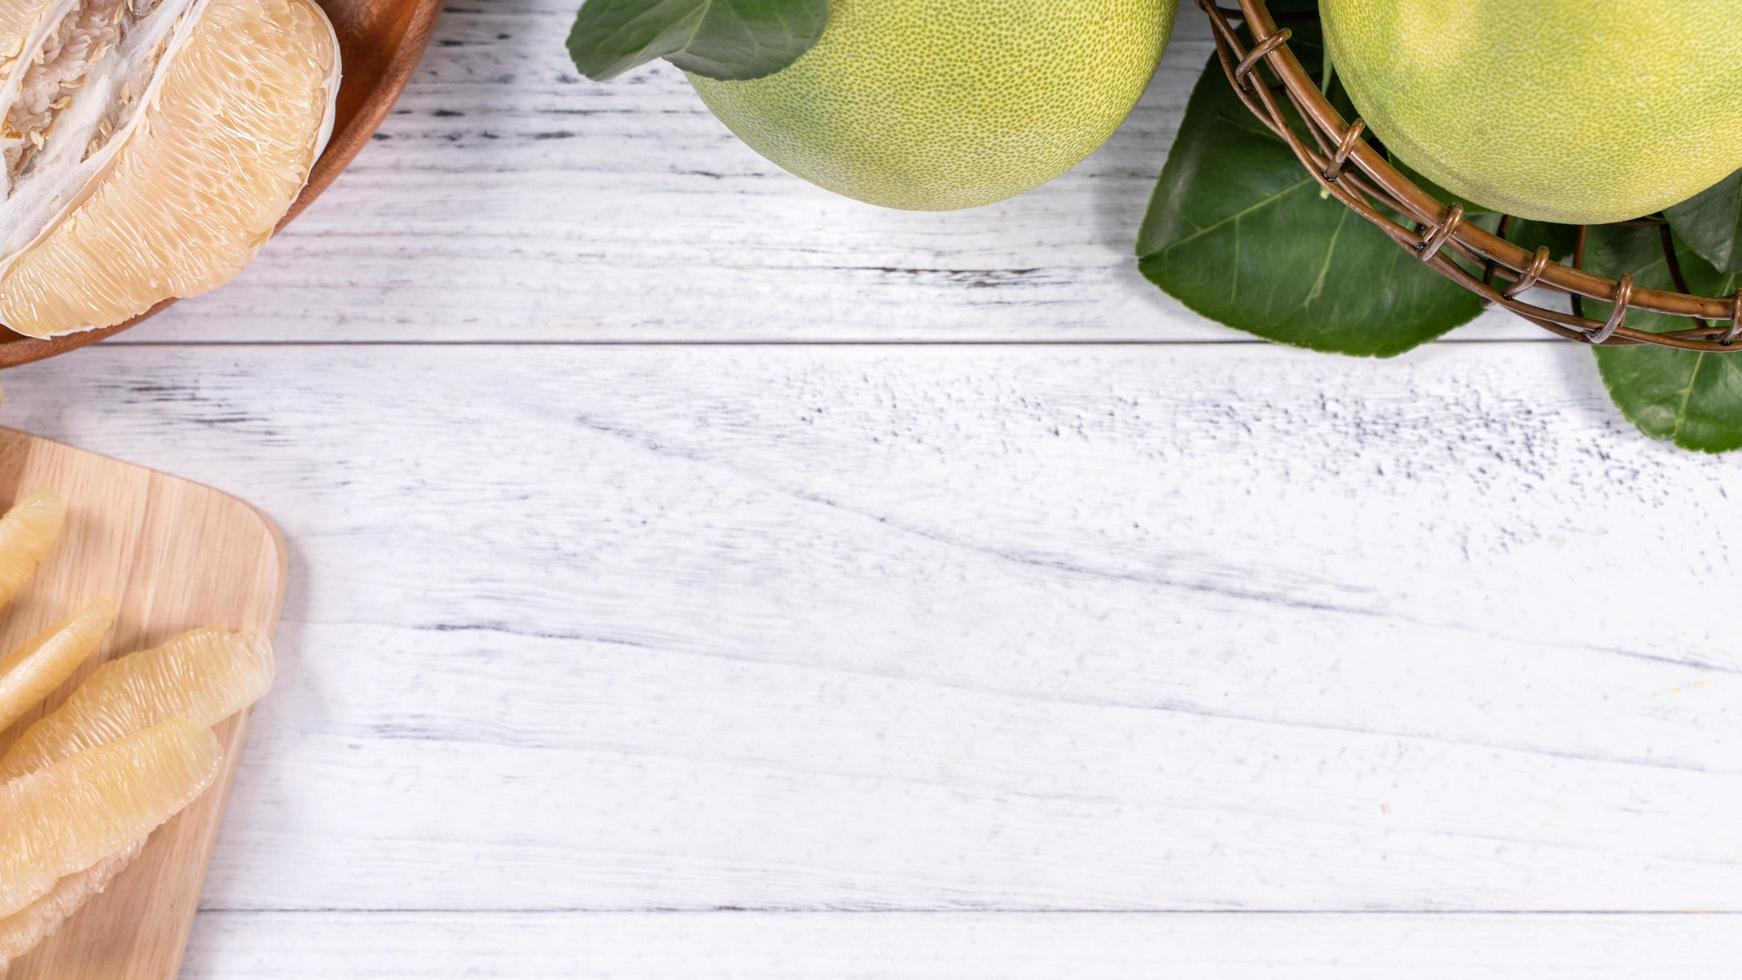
point(725, 39)
point(1711, 223)
point(1241, 233)
point(1689, 397)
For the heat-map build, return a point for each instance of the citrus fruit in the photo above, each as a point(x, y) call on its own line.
point(27, 534)
point(21, 932)
point(1560, 110)
point(65, 818)
point(205, 676)
point(150, 149)
point(32, 672)
point(937, 104)
point(18, 21)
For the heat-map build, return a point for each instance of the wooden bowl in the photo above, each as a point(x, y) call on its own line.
point(380, 42)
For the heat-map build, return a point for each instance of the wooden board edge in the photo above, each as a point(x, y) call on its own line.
point(233, 732)
point(280, 549)
point(257, 531)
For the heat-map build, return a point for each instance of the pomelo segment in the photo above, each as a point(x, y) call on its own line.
point(205, 676)
point(27, 534)
point(21, 933)
point(30, 674)
point(20, 22)
point(68, 817)
point(79, 91)
point(170, 165)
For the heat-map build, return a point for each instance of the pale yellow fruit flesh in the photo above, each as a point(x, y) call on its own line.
point(18, 20)
point(205, 676)
point(23, 931)
point(68, 817)
point(27, 534)
point(198, 187)
point(31, 673)
point(1573, 111)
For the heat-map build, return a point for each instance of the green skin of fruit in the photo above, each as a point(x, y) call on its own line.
point(934, 105)
point(1575, 111)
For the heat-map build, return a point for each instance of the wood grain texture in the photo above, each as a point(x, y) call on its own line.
point(506, 198)
point(317, 946)
point(941, 660)
point(172, 555)
point(960, 628)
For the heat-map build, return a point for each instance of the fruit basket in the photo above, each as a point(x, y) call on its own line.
point(380, 43)
point(1268, 77)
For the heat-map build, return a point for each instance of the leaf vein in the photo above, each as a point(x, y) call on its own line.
point(1260, 204)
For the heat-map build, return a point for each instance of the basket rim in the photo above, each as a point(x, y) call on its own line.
point(1352, 170)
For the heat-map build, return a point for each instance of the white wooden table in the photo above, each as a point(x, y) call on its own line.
point(700, 576)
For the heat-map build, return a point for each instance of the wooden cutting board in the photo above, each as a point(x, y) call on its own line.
point(172, 555)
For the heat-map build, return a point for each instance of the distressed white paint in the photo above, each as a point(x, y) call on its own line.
point(509, 199)
point(1078, 627)
point(1067, 659)
point(963, 947)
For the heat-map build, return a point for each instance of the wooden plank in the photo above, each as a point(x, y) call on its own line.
point(315, 946)
point(172, 555)
point(508, 199)
point(960, 628)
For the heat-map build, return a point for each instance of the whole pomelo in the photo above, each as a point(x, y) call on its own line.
point(1577, 111)
point(941, 104)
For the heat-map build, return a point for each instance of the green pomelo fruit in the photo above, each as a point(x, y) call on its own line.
point(1576, 111)
point(940, 104)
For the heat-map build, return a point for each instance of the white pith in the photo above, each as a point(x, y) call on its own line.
point(96, 120)
point(61, 173)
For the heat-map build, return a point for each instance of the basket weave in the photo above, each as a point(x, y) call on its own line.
point(1350, 169)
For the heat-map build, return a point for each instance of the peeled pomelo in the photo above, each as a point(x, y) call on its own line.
point(205, 675)
point(22, 931)
point(31, 673)
point(68, 817)
point(19, 22)
point(1574, 111)
point(27, 534)
point(150, 147)
point(939, 104)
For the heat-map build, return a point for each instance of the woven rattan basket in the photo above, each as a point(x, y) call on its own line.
point(1265, 73)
